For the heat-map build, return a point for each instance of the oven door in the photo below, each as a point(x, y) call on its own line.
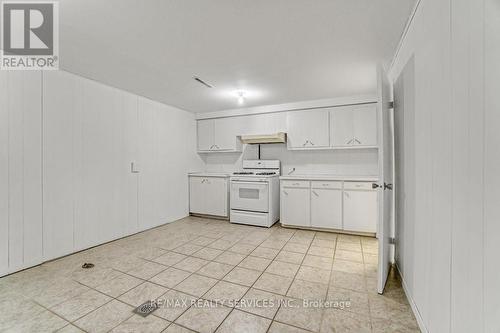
point(250, 196)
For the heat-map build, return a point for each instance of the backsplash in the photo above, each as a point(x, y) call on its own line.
point(359, 162)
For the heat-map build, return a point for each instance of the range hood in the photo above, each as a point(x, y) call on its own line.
point(279, 137)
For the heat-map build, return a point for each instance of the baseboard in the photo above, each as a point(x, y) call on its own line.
point(19, 268)
point(413, 306)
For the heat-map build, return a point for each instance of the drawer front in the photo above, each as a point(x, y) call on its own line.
point(295, 183)
point(358, 185)
point(318, 184)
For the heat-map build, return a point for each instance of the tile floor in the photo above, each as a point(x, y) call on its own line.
point(197, 269)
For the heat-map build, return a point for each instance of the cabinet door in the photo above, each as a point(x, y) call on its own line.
point(365, 126)
point(197, 195)
point(341, 127)
point(216, 194)
point(360, 211)
point(295, 206)
point(206, 134)
point(308, 129)
point(225, 132)
point(326, 208)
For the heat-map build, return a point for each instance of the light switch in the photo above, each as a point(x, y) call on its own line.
point(134, 167)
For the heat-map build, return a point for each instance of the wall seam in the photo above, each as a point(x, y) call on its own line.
point(42, 156)
point(453, 198)
point(483, 208)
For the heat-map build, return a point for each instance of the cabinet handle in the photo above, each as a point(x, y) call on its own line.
point(325, 184)
point(305, 143)
point(347, 195)
point(216, 146)
point(285, 192)
point(316, 194)
point(211, 147)
point(350, 141)
point(359, 142)
point(312, 143)
point(296, 184)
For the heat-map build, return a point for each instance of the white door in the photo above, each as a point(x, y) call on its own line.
point(326, 208)
point(341, 126)
point(295, 206)
point(360, 211)
point(308, 129)
point(365, 126)
point(215, 192)
point(196, 195)
point(206, 132)
point(386, 136)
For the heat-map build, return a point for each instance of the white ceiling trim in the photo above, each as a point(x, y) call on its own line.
point(314, 104)
point(403, 35)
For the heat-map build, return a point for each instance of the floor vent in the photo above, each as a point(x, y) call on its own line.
point(146, 309)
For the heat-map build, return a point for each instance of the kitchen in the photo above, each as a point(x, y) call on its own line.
point(249, 166)
point(322, 191)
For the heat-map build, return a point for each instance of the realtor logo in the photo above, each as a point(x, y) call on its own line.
point(30, 35)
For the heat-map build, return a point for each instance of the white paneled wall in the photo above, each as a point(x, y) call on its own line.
point(90, 195)
point(167, 137)
point(88, 134)
point(61, 119)
point(491, 232)
point(20, 170)
point(449, 245)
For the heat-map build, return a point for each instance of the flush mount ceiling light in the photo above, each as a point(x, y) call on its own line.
point(241, 96)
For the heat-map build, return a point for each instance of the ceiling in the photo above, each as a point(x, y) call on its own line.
point(277, 51)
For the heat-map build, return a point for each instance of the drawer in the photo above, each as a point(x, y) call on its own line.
point(326, 184)
point(358, 185)
point(295, 183)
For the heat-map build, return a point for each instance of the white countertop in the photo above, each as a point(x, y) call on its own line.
point(209, 174)
point(330, 177)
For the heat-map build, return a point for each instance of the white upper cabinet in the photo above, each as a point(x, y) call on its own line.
point(365, 126)
point(341, 127)
point(226, 134)
point(206, 132)
point(353, 126)
point(218, 135)
point(308, 129)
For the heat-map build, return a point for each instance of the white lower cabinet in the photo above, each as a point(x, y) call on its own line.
point(348, 206)
point(208, 195)
point(295, 206)
point(360, 210)
point(326, 208)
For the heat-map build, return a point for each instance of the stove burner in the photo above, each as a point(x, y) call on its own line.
point(265, 173)
point(243, 173)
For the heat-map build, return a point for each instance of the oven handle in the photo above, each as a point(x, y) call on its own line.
point(256, 182)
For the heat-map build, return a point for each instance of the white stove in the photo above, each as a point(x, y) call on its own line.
point(255, 193)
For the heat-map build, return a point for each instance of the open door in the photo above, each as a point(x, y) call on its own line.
point(386, 142)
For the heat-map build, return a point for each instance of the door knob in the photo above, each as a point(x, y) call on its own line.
point(387, 186)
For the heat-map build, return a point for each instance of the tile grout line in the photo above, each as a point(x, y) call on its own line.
point(190, 239)
point(231, 311)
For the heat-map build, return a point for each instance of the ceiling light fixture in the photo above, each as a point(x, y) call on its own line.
point(241, 97)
